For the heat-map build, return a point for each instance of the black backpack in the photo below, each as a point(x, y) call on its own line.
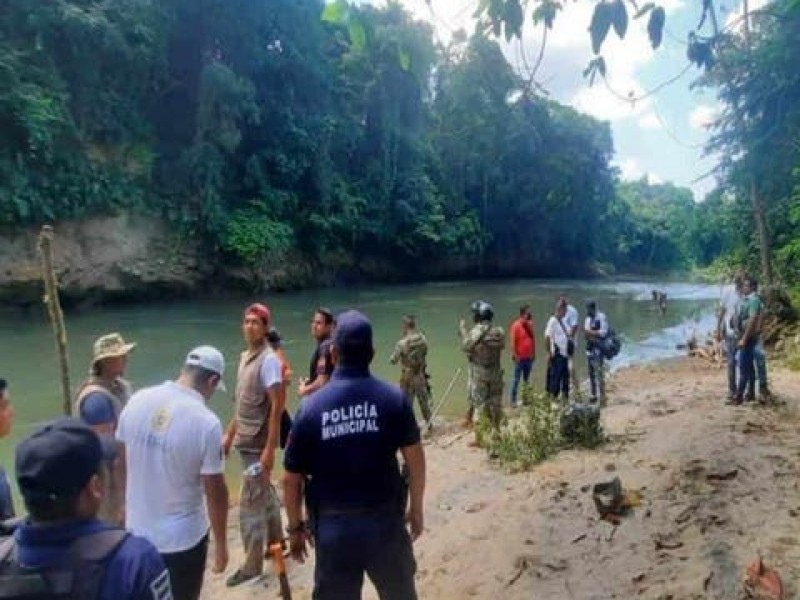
point(77, 577)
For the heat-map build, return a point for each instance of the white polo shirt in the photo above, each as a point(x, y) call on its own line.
point(171, 439)
point(557, 335)
point(571, 318)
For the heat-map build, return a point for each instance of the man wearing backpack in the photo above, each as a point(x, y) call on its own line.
point(63, 550)
point(596, 330)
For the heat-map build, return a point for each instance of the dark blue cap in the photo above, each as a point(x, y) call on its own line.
point(58, 460)
point(353, 331)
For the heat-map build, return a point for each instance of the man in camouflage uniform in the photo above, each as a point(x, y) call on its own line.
point(484, 344)
point(412, 351)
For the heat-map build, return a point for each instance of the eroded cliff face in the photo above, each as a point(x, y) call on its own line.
point(102, 259)
point(132, 257)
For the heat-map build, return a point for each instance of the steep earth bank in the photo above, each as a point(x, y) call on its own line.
point(132, 257)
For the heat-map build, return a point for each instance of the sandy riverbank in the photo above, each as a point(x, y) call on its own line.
point(719, 484)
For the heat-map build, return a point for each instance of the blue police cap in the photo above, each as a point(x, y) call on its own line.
point(353, 331)
point(58, 460)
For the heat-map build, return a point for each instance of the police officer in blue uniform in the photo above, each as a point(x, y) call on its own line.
point(62, 548)
point(342, 457)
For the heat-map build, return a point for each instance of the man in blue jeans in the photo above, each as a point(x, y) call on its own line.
point(749, 318)
point(759, 352)
point(342, 456)
point(523, 349)
point(727, 330)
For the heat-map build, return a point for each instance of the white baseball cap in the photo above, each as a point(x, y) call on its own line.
point(210, 359)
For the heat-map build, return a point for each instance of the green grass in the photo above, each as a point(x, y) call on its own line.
point(536, 434)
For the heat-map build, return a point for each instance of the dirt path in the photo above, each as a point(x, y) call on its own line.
point(719, 485)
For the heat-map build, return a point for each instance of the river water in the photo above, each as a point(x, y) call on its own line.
point(165, 332)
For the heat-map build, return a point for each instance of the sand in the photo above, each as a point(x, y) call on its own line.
point(719, 485)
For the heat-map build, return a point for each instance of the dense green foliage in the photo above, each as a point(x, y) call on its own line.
point(758, 136)
point(653, 227)
point(262, 127)
point(342, 132)
point(752, 219)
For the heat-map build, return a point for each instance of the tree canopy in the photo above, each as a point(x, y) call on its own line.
point(340, 132)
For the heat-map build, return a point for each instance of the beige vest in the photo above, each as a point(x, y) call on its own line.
point(252, 403)
point(119, 393)
point(113, 500)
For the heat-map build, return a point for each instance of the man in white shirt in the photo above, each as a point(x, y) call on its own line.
point(556, 342)
point(172, 446)
point(596, 330)
point(727, 329)
point(571, 320)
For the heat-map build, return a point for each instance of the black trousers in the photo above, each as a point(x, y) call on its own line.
point(558, 376)
point(186, 570)
point(350, 546)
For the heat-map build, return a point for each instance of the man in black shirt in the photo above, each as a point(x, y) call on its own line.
point(321, 366)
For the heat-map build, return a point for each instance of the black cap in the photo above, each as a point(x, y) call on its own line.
point(274, 336)
point(353, 331)
point(591, 305)
point(58, 460)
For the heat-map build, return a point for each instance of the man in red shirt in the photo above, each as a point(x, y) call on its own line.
point(523, 349)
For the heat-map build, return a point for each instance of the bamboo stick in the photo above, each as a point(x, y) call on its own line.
point(51, 299)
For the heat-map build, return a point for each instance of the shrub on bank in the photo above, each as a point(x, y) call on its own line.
point(542, 429)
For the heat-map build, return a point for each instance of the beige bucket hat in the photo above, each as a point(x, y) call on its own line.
point(110, 345)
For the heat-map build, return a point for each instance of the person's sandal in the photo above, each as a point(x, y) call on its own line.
point(238, 578)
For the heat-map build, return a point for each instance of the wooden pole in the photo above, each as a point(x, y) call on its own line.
point(54, 308)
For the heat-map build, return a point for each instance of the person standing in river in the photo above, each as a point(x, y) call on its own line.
point(254, 431)
point(483, 345)
point(321, 366)
point(99, 402)
point(412, 351)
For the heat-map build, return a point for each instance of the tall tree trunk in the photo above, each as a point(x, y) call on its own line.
point(755, 197)
point(763, 234)
point(53, 303)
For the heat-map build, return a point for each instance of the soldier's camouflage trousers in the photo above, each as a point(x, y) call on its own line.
point(415, 386)
point(486, 392)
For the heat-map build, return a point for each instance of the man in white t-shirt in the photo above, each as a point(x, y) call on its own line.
point(572, 320)
point(254, 431)
point(596, 329)
point(172, 446)
point(727, 328)
point(556, 342)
